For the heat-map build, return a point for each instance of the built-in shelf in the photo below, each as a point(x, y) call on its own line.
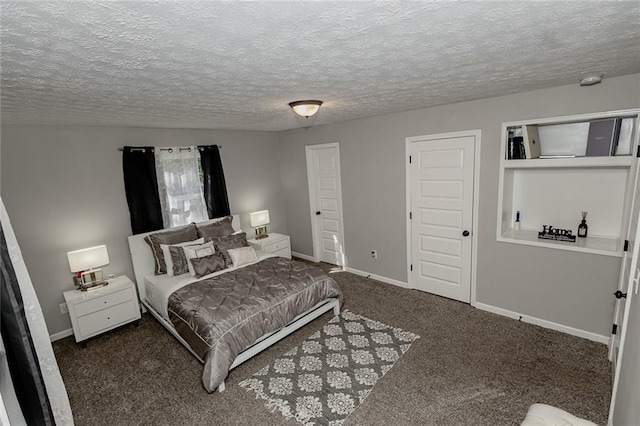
point(554, 191)
point(549, 163)
point(594, 245)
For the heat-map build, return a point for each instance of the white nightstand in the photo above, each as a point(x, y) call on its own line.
point(275, 243)
point(96, 311)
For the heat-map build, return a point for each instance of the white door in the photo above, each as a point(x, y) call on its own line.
point(624, 409)
point(625, 274)
point(442, 191)
point(325, 198)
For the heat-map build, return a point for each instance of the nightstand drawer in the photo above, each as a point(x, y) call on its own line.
point(278, 245)
point(107, 318)
point(103, 302)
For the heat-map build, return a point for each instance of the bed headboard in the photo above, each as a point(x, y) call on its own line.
point(142, 258)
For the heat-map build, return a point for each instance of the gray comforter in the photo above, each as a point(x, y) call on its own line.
point(222, 316)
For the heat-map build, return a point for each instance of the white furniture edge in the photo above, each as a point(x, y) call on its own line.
point(575, 162)
point(544, 323)
point(477, 149)
point(269, 236)
point(629, 162)
point(573, 118)
point(533, 241)
point(143, 265)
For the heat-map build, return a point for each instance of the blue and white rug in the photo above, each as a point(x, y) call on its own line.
point(328, 376)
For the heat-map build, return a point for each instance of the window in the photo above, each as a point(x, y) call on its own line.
point(179, 175)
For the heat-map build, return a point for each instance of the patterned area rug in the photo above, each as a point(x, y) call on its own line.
point(328, 376)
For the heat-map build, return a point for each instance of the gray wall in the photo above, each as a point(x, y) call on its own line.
point(573, 289)
point(63, 189)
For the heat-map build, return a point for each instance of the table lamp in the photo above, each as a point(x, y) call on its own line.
point(85, 264)
point(259, 220)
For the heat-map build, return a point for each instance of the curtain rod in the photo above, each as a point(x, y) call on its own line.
point(167, 149)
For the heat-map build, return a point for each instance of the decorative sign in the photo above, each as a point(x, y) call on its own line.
point(550, 233)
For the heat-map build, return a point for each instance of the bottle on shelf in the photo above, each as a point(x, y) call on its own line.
point(583, 227)
point(516, 224)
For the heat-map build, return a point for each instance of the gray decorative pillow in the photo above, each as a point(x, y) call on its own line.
point(229, 242)
point(174, 236)
point(200, 250)
point(208, 264)
point(217, 229)
point(180, 265)
point(178, 256)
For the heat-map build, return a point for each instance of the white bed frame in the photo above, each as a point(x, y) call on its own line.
point(143, 265)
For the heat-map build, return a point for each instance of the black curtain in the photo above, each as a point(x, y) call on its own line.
point(21, 355)
point(141, 187)
point(215, 187)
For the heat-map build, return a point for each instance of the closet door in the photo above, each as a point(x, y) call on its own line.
point(625, 274)
point(626, 382)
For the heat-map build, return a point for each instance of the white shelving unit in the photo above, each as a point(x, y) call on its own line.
point(553, 191)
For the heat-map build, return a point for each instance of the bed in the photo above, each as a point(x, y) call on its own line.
point(227, 317)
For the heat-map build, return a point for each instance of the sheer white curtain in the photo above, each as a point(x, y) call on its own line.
point(180, 186)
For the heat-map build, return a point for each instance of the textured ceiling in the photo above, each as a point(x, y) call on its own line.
point(237, 65)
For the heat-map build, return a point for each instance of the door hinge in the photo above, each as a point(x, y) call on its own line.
point(638, 155)
point(614, 329)
point(626, 245)
point(410, 215)
point(412, 267)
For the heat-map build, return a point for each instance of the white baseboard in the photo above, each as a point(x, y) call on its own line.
point(377, 277)
point(303, 256)
point(61, 335)
point(544, 323)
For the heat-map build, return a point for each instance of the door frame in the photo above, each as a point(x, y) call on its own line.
point(632, 292)
point(476, 134)
point(312, 200)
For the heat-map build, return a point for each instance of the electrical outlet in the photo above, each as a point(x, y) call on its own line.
point(374, 254)
point(64, 309)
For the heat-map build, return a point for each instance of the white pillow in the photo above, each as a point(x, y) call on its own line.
point(167, 254)
point(202, 250)
point(242, 256)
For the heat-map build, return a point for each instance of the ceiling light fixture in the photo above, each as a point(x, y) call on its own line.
point(590, 80)
point(305, 108)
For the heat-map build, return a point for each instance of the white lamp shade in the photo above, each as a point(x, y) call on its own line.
point(305, 108)
point(89, 258)
point(260, 218)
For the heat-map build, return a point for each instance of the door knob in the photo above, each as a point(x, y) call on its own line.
point(619, 295)
point(318, 213)
point(465, 233)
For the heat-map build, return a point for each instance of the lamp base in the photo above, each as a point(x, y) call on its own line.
point(93, 285)
point(261, 232)
point(92, 276)
point(89, 280)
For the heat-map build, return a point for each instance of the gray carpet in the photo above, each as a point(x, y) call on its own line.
point(469, 367)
